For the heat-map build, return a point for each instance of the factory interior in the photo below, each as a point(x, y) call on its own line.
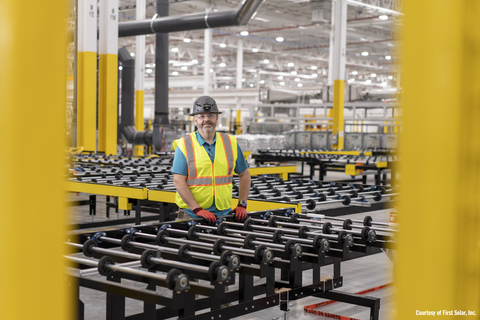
point(359, 121)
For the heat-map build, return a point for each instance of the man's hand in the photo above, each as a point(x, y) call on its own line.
point(205, 214)
point(240, 213)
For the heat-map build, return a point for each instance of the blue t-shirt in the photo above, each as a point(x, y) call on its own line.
point(180, 166)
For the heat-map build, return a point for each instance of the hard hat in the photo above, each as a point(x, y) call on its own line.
point(204, 104)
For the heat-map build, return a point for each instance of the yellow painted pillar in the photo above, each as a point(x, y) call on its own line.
point(438, 261)
point(33, 60)
point(108, 77)
point(338, 118)
point(239, 122)
point(140, 12)
point(87, 75)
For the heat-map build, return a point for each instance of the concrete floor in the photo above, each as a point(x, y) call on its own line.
point(359, 274)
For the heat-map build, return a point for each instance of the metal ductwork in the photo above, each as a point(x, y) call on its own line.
point(164, 24)
point(127, 119)
point(161, 25)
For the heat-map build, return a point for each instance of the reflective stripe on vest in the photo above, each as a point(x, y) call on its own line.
point(192, 170)
point(223, 180)
point(200, 181)
point(228, 151)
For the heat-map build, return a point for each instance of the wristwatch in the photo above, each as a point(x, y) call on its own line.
point(242, 203)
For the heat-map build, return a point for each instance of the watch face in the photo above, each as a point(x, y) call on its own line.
point(242, 203)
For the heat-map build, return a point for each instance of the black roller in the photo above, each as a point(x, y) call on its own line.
point(272, 222)
point(327, 226)
point(367, 221)
point(213, 270)
point(330, 192)
point(217, 246)
point(193, 233)
point(262, 196)
point(172, 276)
point(359, 187)
point(286, 199)
point(87, 248)
point(347, 224)
point(221, 229)
point(248, 225)
point(322, 197)
point(346, 200)
point(277, 235)
point(353, 194)
point(161, 241)
point(126, 243)
point(183, 252)
point(311, 204)
point(103, 266)
point(377, 196)
point(320, 244)
point(146, 261)
point(294, 218)
point(339, 186)
point(225, 257)
point(259, 253)
point(247, 242)
point(302, 232)
point(277, 193)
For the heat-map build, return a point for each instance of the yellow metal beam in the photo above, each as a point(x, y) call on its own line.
point(107, 104)
point(139, 122)
point(239, 122)
point(338, 118)
point(283, 171)
point(33, 95)
point(440, 65)
point(115, 191)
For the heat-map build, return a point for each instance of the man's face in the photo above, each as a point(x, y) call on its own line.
point(206, 122)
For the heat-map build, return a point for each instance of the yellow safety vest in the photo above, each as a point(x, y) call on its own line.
point(206, 179)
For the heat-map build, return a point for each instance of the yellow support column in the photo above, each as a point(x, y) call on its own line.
point(338, 106)
point(139, 121)
point(438, 262)
point(87, 75)
point(239, 122)
point(108, 77)
point(33, 93)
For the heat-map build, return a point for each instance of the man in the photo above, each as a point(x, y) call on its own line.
point(203, 167)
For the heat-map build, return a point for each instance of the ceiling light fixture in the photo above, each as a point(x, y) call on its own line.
point(244, 33)
point(314, 67)
point(132, 54)
point(290, 64)
point(223, 45)
point(148, 71)
point(262, 81)
point(354, 73)
point(388, 57)
point(282, 83)
point(175, 73)
point(254, 50)
point(223, 64)
point(314, 75)
point(373, 75)
point(279, 39)
point(368, 81)
point(194, 61)
point(293, 73)
point(184, 67)
point(186, 40)
point(364, 53)
point(383, 17)
point(266, 61)
point(227, 87)
point(280, 77)
point(390, 77)
point(211, 70)
point(297, 79)
point(299, 85)
point(174, 49)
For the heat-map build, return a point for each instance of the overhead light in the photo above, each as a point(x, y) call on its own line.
point(194, 61)
point(290, 64)
point(154, 64)
point(314, 75)
point(293, 73)
point(186, 40)
point(384, 83)
point(243, 80)
point(244, 33)
point(363, 39)
point(364, 53)
point(390, 77)
point(279, 39)
point(373, 75)
point(388, 57)
point(282, 83)
point(266, 61)
point(354, 73)
point(174, 49)
point(255, 50)
point(223, 64)
point(280, 77)
point(211, 70)
point(148, 71)
point(351, 80)
point(297, 79)
point(184, 67)
point(175, 73)
point(147, 65)
point(390, 44)
point(227, 87)
point(132, 54)
point(223, 45)
point(368, 81)
point(383, 17)
point(251, 85)
point(262, 81)
point(313, 67)
point(299, 85)
point(120, 68)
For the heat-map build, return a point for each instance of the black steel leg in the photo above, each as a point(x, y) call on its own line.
point(115, 304)
point(246, 287)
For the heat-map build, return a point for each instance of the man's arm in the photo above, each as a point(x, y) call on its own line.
point(180, 183)
point(244, 188)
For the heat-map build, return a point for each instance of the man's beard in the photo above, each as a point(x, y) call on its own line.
point(211, 129)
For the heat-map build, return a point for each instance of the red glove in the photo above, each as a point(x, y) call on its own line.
point(205, 214)
point(240, 213)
